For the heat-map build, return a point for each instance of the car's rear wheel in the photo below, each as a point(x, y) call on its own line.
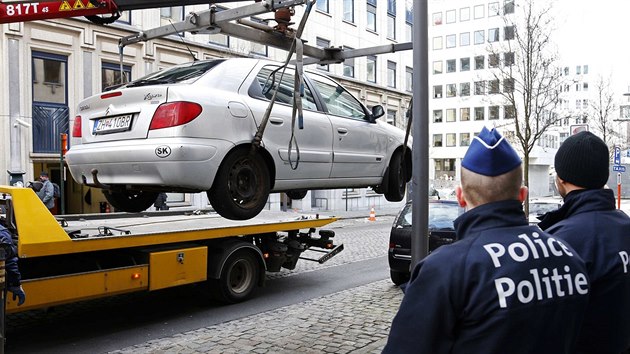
point(396, 182)
point(241, 186)
point(130, 201)
point(297, 194)
point(399, 278)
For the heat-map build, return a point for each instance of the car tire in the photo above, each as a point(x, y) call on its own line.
point(297, 194)
point(130, 201)
point(241, 186)
point(238, 280)
point(396, 182)
point(399, 278)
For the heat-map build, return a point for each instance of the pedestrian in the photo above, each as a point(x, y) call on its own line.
point(505, 286)
point(47, 192)
point(160, 202)
point(589, 222)
point(13, 276)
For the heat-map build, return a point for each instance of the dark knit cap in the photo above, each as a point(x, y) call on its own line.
point(582, 160)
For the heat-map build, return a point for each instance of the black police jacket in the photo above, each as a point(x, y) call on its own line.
point(589, 222)
point(11, 266)
point(504, 287)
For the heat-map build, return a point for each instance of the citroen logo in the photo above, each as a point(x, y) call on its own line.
point(107, 111)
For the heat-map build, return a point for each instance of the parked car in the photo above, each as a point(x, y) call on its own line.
point(442, 213)
point(190, 128)
point(539, 207)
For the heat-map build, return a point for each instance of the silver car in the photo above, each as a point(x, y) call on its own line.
point(190, 128)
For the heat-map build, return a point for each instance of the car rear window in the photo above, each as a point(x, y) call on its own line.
point(177, 74)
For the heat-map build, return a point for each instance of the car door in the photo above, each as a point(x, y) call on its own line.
point(359, 146)
point(314, 141)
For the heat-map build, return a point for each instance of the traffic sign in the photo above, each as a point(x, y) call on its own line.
point(618, 168)
point(617, 160)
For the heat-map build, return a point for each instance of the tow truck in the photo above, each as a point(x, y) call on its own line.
point(80, 257)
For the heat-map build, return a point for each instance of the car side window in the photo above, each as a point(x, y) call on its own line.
point(338, 101)
point(266, 83)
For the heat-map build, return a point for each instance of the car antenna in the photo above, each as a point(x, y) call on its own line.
point(184, 42)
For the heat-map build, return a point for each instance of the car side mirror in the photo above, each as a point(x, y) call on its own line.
point(377, 112)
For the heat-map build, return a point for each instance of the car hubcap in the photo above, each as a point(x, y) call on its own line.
point(243, 181)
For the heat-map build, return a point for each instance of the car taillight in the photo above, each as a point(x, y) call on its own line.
point(76, 127)
point(173, 114)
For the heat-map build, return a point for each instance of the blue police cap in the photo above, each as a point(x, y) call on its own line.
point(489, 154)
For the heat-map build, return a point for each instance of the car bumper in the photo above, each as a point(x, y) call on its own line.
point(189, 163)
point(399, 259)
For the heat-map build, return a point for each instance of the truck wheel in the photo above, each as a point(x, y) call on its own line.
point(399, 278)
point(241, 186)
point(239, 277)
point(130, 201)
point(396, 182)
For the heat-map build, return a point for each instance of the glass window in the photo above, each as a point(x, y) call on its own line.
point(437, 67)
point(578, 70)
point(585, 69)
point(508, 59)
point(464, 39)
point(493, 9)
point(464, 14)
point(508, 7)
point(391, 7)
point(451, 90)
point(464, 139)
point(49, 80)
point(493, 35)
point(391, 116)
point(437, 116)
point(258, 48)
point(464, 64)
point(479, 37)
point(391, 27)
point(322, 5)
point(437, 19)
point(464, 89)
point(451, 115)
point(508, 32)
point(451, 41)
point(371, 17)
point(493, 86)
point(391, 74)
point(479, 62)
point(450, 139)
point(111, 77)
point(480, 113)
point(464, 114)
point(585, 104)
point(437, 140)
point(451, 66)
point(264, 87)
point(409, 79)
point(348, 65)
point(508, 85)
point(480, 87)
point(437, 43)
point(322, 43)
point(408, 32)
point(337, 100)
point(493, 112)
point(409, 12)
point(509, 112)
point(450, 16)
point(585, 86)
point(371, 68)
point(348, 10)
point(437, 91)
point(125, 17)
point(171, 14)
point(493, 60)
point(479, 11)
point(219, 38)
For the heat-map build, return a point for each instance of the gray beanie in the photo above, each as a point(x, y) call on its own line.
point(582, 160)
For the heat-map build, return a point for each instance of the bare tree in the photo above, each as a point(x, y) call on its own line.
point(529, 74)
point(602, 111)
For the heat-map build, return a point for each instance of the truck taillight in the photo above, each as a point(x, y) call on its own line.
point(173, 114)
point(76, 127)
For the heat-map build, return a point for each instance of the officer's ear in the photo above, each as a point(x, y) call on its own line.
point(522, 194)
point(459, 193)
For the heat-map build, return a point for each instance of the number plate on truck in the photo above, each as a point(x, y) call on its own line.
point(112, 124)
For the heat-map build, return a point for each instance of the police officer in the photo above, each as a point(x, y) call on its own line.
point(504, 286)
point(13, 275)
point(589, 222)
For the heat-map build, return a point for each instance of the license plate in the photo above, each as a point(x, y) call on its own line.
point(112, 124)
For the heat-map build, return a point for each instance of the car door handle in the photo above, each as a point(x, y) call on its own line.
point(276, 121)
point(342, 131)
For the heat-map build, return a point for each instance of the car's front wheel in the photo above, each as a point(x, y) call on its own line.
point(130, 201)
point(241, 186)
point(399, 278)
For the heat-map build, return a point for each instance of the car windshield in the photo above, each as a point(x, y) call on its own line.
point(176, 74)
point(441, 216)
point(542, 208)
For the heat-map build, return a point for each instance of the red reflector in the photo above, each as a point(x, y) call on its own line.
point(76, 127)
point(111, 94)
point(173, 114)
point(135, 276)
